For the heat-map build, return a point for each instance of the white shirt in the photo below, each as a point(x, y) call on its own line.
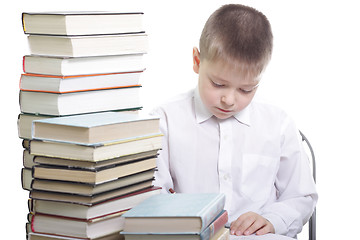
point(255, 158)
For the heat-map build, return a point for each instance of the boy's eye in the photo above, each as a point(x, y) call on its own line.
point(216, 84)
point(245, 90)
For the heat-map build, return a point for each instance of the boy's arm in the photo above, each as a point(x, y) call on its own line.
point(162, 175)
point(296, 188)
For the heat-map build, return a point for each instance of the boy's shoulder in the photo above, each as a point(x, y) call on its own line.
point(273, 113)
point(266, 107)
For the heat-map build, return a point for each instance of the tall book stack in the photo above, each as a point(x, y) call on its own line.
point(191, 216)
point(89, 153)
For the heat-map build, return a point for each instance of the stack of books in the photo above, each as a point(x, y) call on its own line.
point(89, 153)
point(198, 216)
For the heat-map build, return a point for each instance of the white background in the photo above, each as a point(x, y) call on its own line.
point(313, 76)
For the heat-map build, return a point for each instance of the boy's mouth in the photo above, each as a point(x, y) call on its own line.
point(224, 111)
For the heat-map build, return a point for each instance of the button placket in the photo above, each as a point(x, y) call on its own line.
point(225, 159)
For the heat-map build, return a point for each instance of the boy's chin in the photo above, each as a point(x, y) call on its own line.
point(223, 116)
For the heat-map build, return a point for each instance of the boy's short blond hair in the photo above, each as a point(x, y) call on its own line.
point(238, 34)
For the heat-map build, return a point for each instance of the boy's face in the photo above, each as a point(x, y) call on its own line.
point(224, 89)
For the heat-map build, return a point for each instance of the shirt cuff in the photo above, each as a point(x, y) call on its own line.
point(278, 223)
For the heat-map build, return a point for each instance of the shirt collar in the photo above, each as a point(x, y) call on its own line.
point(202, 113)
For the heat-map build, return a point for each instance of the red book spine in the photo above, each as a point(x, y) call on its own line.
point(218, 223)
point(24, 64)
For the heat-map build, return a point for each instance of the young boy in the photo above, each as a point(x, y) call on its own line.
point(216, 139)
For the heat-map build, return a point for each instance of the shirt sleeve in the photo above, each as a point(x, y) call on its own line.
point(296, 193)
point(162, 175)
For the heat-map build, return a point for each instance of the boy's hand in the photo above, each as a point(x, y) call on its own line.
point(250, 223)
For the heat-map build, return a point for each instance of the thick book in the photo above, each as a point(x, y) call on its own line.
point(88, 164)
point(82, 23)
point(69, 66)
point(44, 236)
point(222, 234)
point(26, 178)
point(174, 213)
point(86, 189)
point(93, 176)
point(77, 83)
point(66, 209)
point(95, 152)
point(95, 128)
point(24, 122)
point(86, 46)
point(88, 200)
point(28, 159)
point(214, 231)
point(79, 102)
point(90, 228)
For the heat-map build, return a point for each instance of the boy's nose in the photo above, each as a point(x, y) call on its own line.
point(228, 99)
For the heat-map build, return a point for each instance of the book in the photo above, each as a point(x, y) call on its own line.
point(96, 152)
point(95, 128)
point(89, 164)
point(24, 122)
point(91, 199)
point(81, 23)
point(222, 234)
point(215, 230)
point(86, 46)
point(77, 83)
point(90, 228)
point(43, 236)
point(28, 159)
point(174, 213)
point(67, 209)
point(93, 176)
point(79, 102)
point(26, 178)
point(31, 183)
point(69, 66)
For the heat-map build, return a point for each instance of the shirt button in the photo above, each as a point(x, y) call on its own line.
point(227, 177)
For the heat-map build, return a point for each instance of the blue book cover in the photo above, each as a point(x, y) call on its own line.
point(180, 212)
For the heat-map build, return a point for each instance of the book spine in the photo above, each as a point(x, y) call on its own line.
point(23, 63)
point(215, 226)
point(23, 22)
point(213, 210)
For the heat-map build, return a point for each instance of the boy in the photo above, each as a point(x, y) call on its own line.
point(216, 139)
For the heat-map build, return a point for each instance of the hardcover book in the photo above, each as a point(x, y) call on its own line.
point(83, 211)
point(95, 152)
point(79, 102)
point(95, 127)
point(88, 200)
point(81, 23)
point(215, 231)
point(77, 83)
point(86, 46)
point(84, 189)
point(69, 66)
point(91, 228)
point(93, 176)
point(44, 236)
point(174, 213)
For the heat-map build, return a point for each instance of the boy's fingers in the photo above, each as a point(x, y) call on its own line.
point(268, 228)
point(239, 226)
point(259, 223)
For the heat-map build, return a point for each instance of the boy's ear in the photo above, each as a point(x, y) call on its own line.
point(196, 60)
